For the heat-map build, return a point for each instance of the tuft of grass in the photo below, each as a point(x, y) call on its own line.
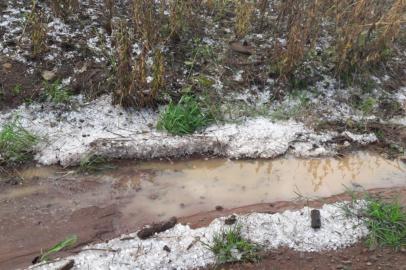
point(67, 243)
point(185, 117)
point(386, 222)
point(56, 92)
point(230, 246)
point(16, 144)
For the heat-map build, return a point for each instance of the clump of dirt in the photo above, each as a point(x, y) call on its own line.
point(150, 230)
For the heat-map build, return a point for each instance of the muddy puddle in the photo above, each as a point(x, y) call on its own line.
point(194, 186)
point(52, 202)
point(164, 189)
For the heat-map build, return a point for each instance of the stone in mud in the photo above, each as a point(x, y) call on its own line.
point(316, 220)
point(157, 228)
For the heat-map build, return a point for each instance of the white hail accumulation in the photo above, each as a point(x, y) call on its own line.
point(188, 247)
point(97, 127)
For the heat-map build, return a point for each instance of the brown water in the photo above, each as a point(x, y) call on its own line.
point(200, 185)
point(164, 189)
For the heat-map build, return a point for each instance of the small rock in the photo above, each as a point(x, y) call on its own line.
point(48, 75)
point(316, 220)
point(219, 208)
point(167, 249)
point(368, 263)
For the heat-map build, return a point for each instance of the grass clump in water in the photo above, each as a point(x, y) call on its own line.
point(386, 222)
point(185, 117)
point(230, 246)
point(16, 143)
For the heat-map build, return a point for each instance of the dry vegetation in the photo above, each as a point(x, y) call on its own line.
point(363, 34)
point(158, 49)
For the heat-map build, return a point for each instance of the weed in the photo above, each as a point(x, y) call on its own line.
point(56, 92)
point(179, 14)
point(67, 243)
point(243, 11)
point(365, 32)
point(133, 88)
point(38, 30)
point(158, 81)
point(146, 22)
point(230, 246)
point(185, 117)
point(123, 93)
point(16, 143)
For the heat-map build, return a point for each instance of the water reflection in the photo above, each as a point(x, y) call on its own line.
point(235, 183)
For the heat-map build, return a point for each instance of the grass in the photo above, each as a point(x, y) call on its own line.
point(16, 143)
point(185, 117)
point(56, 92)
point(386, 222)
point(68, 242)
point(230, 246)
